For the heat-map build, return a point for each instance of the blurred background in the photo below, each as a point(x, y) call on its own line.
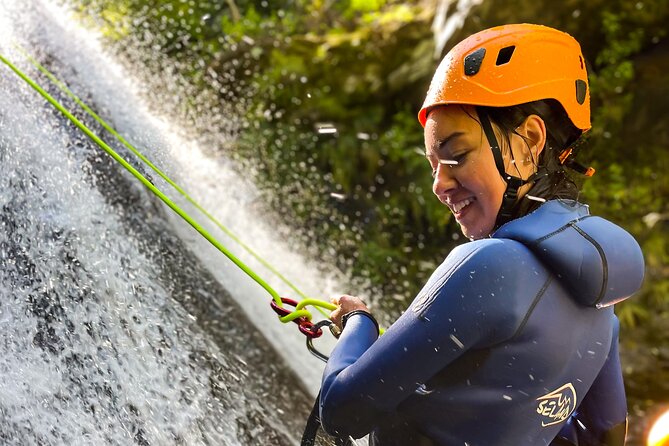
point(316, 103)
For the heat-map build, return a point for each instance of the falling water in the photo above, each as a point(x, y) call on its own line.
point(447, 22)
point(120, 324)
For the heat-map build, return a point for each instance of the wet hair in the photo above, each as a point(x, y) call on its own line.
point(556, 183)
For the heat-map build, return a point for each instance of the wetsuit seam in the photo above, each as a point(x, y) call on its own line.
point(600, 251)
point(526, 318)
point(533, 305)
point(559, 230)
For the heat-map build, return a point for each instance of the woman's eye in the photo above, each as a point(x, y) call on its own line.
point(456, 160)
point(450, 163)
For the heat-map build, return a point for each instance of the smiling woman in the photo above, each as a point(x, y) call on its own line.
point(525, 131)
point(513, 340)
point(464, 169)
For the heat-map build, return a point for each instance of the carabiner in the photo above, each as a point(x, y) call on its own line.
point(303, 322)
point(310, 342)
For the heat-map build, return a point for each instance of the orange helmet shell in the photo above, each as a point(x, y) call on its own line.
point(511, 65)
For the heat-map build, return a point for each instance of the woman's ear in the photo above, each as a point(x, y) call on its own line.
point(533, 130)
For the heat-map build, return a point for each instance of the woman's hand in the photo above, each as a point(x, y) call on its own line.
point(345, 304)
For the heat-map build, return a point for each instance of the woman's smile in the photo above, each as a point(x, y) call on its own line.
point(458, 208)
point(465, 176)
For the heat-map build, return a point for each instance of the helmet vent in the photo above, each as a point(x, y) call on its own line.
point(473, 62)
point(504, 55)
point(581, 89)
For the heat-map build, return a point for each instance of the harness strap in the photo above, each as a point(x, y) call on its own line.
point(314, 425)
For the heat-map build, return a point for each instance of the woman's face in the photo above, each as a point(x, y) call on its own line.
point(465, 176)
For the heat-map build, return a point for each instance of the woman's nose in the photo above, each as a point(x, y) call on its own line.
point(444, 180)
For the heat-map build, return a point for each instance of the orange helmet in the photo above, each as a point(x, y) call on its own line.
point(511, 65)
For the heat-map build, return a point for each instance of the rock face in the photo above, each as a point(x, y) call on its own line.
point(113, 331)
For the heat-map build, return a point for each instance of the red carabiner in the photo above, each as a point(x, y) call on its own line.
point(305, 325)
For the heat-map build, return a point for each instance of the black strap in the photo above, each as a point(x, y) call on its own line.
point(314, 425)
point(509, 200)
point(492, 140)
point(345, 318)
point(512, 183)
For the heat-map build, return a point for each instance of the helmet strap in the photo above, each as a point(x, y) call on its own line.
point(513, 183)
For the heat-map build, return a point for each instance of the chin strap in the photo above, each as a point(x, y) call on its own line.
point(512, 183)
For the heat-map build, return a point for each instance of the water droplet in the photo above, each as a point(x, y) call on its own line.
point(457, 341)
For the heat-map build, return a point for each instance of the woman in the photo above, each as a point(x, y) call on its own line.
point(513, 340)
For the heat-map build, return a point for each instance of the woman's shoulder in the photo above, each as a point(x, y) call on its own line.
point(489, 284)
point(491, 254)
point(597, 260)
point(484, 266)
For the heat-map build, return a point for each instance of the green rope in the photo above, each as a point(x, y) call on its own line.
point(144, 181)
point(299, 312)
point(63, 87)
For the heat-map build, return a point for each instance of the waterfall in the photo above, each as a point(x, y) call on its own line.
point(445, 24)
point(120, 324)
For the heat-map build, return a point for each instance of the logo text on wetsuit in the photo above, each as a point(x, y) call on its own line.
point(556, 406)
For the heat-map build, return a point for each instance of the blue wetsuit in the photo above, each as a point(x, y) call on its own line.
point(508, 338)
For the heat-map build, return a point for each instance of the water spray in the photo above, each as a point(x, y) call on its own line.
point(299, 314)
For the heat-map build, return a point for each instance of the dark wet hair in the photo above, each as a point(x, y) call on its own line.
point(561, 134)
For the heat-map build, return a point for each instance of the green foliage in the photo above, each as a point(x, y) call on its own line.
point(342, 76)
point(626, 153)
point(362, 194)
